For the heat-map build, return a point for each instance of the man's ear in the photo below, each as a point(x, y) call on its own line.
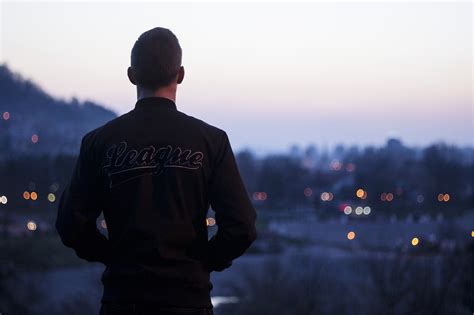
point(180, 75)
point(131, 75)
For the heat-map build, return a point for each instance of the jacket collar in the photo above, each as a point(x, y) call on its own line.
point(155, 102)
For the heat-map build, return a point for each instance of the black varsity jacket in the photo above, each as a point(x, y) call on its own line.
point(154, 172)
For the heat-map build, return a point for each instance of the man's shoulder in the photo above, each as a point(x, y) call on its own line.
point(193, 124)
point(111, 124)
point(89, 138)
point(203, 125)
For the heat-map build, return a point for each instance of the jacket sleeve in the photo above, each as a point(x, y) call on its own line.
point(235, 215)
point(78, 210)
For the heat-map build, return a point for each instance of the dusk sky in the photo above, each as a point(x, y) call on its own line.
point(270, 74)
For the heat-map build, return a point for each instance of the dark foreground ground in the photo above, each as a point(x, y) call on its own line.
point(296, 267)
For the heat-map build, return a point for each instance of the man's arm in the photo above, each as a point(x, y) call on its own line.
point(78, 210)
point(235, 215)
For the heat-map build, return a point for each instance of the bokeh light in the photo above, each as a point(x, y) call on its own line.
point(34, 138)
point(51, 197)
point(210, 221)
point(31, 226)
point(336, 165)
point(260, 196)
point(350, 167)
point(348, 210)
point(31, 186)
point(415, 241)
point(420, 198)
point(327, 196)
point(367, 210)
point(351, 235)
point(33, 195)
point(360, 193)
point(54, 187)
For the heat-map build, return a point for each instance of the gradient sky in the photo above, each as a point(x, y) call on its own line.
point(270, 74)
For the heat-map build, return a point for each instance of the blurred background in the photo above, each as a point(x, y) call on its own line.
point(352, 124)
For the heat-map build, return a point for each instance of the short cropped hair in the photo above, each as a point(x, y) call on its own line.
point(156, 58)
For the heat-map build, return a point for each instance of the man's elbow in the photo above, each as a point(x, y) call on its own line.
point(242, 237)
point(250, 235)
point(67, 235)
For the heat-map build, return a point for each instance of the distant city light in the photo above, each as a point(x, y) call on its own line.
point(348, 210)
point(472, 233)
point(362, 194)
point(420, 198)
point(350, 167)
point(34, 138)
point(32, 186)
point(359, 210)
point(327, 196)
point(260, 195)
point(415, 241)
point(308, 192)
point(51, 197)
point(383, 197)
point(6, 115)
point(444, 197)
point(351, 235)
point(3, 199)
point(26, 195)
point(367, 210)
point(336, 165)
point(103, 224)
point(54, 187)
point(31, 225)
point(33, 195)
point(389, 197)
point(210, 221)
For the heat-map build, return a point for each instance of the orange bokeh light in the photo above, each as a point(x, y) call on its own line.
point(351, 235)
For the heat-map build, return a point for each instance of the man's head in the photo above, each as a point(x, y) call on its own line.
point(156, 60)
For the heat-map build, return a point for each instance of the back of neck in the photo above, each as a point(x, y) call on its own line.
point(168, 92)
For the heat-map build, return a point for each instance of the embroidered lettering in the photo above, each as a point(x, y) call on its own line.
point(121, 165)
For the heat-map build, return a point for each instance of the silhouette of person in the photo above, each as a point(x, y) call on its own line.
point(154, 172)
